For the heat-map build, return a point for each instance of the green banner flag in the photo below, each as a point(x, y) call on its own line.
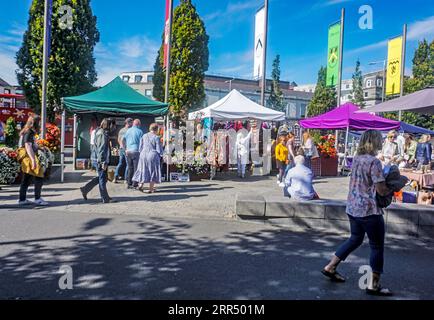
point(333, 54)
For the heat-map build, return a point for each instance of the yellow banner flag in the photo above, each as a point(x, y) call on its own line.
point(394, 57)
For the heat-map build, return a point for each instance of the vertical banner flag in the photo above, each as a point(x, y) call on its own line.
point(333, 54)
point(394, 57)
point(259, 43)
point(166, 33)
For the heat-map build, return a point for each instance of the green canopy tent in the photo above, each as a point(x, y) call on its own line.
point(115, 99)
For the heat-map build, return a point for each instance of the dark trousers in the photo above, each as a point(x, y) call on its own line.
point(308, 161)
point(25, 183)
point(373, 226)
point(132, 162)
point(123, 164)
point(101, 181)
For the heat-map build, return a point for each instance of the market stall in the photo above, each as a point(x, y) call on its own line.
point(117, 100)
point(236, 107)
point(347, 118)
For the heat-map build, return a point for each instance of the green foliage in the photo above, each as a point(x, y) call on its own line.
point(189, 61)
point(11, 133)
point(357, 92)
point(275, 101)
point(159, 77)
point(71, 66)
point(324, 98)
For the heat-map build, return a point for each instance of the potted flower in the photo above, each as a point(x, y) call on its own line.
point(328, 155)
point(10, 168)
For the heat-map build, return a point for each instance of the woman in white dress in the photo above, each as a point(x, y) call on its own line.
point(243, 149)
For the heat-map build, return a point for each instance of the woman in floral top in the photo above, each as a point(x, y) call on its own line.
point(365, 216)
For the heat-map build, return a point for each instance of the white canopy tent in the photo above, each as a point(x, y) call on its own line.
point(235, 106)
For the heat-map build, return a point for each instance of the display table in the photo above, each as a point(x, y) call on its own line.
point(423, 179)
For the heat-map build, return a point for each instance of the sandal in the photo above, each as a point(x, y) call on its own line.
point(379, 291)
point(333, 276)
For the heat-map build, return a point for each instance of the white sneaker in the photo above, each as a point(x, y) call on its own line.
point(278, 182)
point(282, 185)
point(41, 202)
point(25, 203)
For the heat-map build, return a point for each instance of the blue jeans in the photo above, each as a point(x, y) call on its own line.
point(101, 181)
point(373, 226)
point(132, 162)
point(308, 161)
point(123, 163)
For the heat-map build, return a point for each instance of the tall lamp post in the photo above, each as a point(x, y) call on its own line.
point(384, 76)
point(230, 83)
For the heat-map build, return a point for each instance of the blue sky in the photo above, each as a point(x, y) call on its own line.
point(131, 34)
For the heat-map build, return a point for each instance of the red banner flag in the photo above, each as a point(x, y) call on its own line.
point(166, 32)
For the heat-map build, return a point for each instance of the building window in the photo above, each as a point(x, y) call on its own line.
point(379, 82)
point(148, 92)
point(369, 83)
point(366, 94)
point(126, 78)
point(350, 97)
point(303, 111)
point(138, 79)
point(150, 78)
point(7, 91)
point(347, 86)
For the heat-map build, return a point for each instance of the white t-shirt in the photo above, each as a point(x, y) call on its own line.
point(92, 137)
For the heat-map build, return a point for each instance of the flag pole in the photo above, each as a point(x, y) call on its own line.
point(47, 27)
point(264, 56)
point(404, 44)
point(166, 91)
point(341, 51)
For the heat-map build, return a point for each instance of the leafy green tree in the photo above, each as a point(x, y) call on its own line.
point(189, 61)
point(276, 96)
point(357, 91)
point(71, 65)
point(11, 133)
point(324, 98)
point(159, 77)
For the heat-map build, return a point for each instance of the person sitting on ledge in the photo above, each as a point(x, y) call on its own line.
point(298, 182)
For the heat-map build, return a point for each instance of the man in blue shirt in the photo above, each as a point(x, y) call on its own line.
point(298, 181)
point(132, 142)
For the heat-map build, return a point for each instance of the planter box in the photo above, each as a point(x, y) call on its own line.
point(198, 177)
point(329, 167)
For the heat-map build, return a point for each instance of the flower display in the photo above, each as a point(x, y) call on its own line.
point(326, 146)
point(9, 165)
point(52, 138)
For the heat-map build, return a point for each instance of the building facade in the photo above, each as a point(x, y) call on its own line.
point(142, 81)
point(216, 87)
point(372, 89)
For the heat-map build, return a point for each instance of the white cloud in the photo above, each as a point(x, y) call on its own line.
point(10, 42)
point(420, 29)
point(416, 31)
point(130, 54)
point(233, 9)
point(237, 64)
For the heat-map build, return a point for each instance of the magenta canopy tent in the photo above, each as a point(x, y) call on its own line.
point(346, 118)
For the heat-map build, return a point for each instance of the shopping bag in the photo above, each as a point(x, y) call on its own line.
point(26, 164)
point(315, 154)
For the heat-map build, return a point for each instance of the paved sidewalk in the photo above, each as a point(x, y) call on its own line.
point(135, 257)
point(193, 199)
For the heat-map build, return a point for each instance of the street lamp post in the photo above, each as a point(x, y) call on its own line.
point(384, 76)
point(230, 83)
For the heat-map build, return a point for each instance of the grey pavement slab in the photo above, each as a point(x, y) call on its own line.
point(138, 257)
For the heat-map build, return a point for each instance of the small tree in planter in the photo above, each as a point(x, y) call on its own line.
point(11, 133)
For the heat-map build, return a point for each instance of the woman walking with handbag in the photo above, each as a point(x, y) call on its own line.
point(30, 165)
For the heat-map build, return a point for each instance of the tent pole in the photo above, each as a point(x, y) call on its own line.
point(62, 147)
point(167, 147)
point(74, 143)
point(346, 140)
point(337, 139)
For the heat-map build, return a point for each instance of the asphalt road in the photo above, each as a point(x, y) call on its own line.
point(135, 257)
